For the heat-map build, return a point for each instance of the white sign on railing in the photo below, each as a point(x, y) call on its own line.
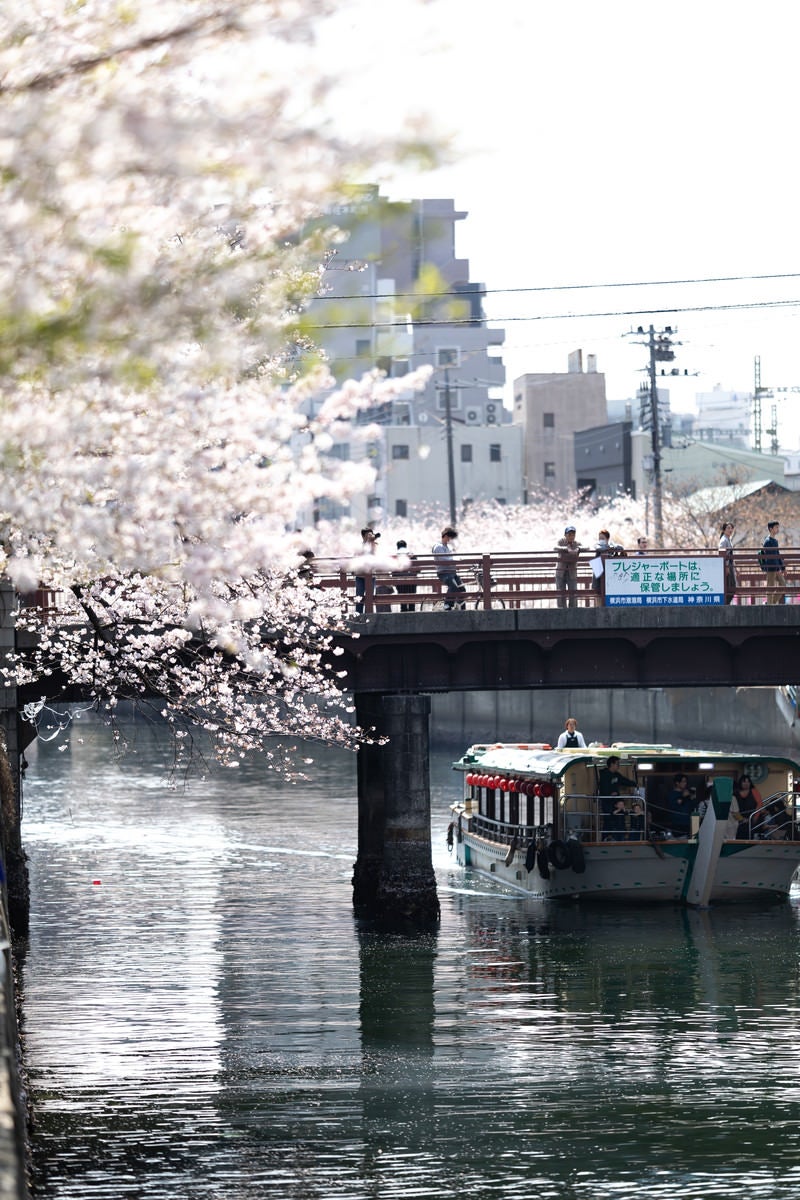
point(665, 579)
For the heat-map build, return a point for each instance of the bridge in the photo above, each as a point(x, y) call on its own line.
point(514, 635)
point(747, 645)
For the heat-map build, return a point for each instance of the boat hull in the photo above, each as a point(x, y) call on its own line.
point(640, 872)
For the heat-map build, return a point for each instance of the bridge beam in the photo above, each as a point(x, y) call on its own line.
point(393, 878)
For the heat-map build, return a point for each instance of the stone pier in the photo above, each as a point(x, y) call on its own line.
point(393, 879)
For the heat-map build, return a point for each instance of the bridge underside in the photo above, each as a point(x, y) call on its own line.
point(637, 648)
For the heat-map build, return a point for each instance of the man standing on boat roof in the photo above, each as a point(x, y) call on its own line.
point(571, 737)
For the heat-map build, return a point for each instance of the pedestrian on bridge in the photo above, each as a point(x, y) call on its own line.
point(368, 547)
point(726, 548)
point(443, 553)
point(604, 549)
point(770, 560)
point(567, 551)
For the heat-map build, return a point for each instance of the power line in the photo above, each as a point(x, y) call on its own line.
point(623, 312)
point(560, 287)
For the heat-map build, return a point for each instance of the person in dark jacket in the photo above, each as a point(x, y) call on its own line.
point(748, 802)
point(772, 563)
point(610, 781)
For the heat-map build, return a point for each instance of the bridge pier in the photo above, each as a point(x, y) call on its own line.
point(393, 876)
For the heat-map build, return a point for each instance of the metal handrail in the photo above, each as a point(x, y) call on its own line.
point(525, 580)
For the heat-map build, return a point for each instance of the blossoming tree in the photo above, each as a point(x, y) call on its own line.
point(158, 161)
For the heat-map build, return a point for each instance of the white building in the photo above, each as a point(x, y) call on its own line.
point(396, 296)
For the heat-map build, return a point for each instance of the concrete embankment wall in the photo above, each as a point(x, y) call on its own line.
point(13, 1138)
point(755, 720)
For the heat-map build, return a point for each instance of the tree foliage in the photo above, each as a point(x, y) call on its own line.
point(158, 435)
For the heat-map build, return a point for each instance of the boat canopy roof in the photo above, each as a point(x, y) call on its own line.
point(521, 759)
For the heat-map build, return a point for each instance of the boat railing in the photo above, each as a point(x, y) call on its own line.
point(506, 832)
point(592, 818)
point(775, 820)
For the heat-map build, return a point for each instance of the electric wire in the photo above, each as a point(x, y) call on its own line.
point(623, 312)
point(561, 287)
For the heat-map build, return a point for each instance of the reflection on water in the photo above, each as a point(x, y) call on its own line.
point(204, 1017)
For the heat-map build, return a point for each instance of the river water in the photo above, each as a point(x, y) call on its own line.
point(204, 1017)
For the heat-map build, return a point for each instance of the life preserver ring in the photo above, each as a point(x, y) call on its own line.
point(541, 862)
point(530, 856)
point(577, 859)
point(559, 855)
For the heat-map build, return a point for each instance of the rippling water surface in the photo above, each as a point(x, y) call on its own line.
point(203, 1017)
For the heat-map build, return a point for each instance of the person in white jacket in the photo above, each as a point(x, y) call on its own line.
point(571, 737)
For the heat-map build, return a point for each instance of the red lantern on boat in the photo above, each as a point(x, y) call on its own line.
point(537, 789)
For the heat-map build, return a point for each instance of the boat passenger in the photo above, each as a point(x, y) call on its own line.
point(776, 821)
point(680, 803)
point(610, 781)
point(615, 822)
point(748, 801)
point(636, 822)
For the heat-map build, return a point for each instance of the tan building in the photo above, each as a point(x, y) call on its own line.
point(551, 408)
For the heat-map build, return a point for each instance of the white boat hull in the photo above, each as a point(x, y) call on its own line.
point(636, 871)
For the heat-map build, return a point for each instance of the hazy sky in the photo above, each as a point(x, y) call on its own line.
point(610, 142)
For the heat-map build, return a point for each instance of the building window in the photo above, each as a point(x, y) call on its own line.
point(549, 420)
point(466, 453)
point(494, 452)
point(363, 347)
point(400, 508)
point(399, 452)
point(549, 470)
point(340, 450)
point(447, 356)
point(441, 399)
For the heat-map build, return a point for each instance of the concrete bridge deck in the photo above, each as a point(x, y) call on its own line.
point(579, 647)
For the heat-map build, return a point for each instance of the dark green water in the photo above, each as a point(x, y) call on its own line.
point(205, 1018)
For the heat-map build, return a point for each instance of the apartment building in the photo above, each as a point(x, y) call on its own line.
point(395, 295)
point(551, 408)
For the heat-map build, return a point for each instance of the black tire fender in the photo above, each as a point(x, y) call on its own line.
point(559, 855)
point(541, 862)
point(577, 858)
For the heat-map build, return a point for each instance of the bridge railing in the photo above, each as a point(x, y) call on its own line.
point(494, 581)
point(503, 580)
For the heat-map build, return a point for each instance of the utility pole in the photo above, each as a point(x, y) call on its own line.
point(760, 394)
point(660, 349)
point(448, 428)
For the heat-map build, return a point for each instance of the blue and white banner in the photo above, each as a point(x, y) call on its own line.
point(664, 579)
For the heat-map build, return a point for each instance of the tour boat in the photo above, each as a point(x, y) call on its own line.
point(534, 819)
